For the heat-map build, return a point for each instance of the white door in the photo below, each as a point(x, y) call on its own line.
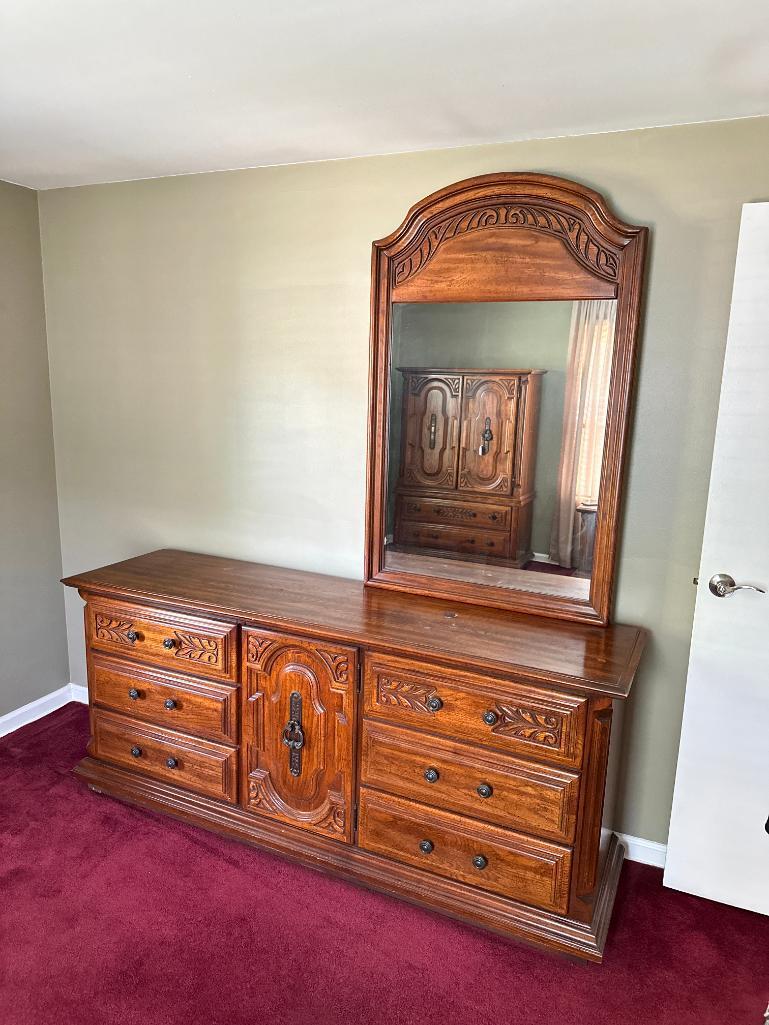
point(718, 845)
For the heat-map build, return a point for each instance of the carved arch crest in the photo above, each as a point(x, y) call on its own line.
point(580, 237)
point(579, 217)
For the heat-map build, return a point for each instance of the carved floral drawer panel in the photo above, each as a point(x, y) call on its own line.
point(187, 644)
point(199, 765)
point(467, 851)
point(506, 791)
point(546, 725)
point(457, 514)
point(205, 708)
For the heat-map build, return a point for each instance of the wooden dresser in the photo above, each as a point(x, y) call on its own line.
point(468, 452)
point(451, 755)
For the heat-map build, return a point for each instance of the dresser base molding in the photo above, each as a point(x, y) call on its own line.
point(466, 903)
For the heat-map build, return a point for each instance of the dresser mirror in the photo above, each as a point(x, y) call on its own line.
point(504, 318)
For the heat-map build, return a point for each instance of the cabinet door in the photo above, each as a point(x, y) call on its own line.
point(431, 430)
point(489, 405)
point(298, 723)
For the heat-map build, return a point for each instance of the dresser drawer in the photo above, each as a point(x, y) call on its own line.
point(207, 709)
point(532, 871)
point(188, 644)
point(467, 540)
point(457, 514)
point(468, 780)
point(515, 718)
point(199, 765)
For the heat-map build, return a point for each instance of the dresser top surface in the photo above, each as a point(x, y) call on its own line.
point(598, 659)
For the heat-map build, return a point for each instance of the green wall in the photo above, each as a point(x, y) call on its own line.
point(208, 339)
point(33, 644)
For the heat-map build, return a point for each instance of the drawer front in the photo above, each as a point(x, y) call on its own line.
point(457, 514)
point(190, 644)
point(515, 718)
point(459, 778)
point(527, 870)
point(199, 765)
point(467, 540)
point(177, 702)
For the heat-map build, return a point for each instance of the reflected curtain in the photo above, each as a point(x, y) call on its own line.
point(588, 375)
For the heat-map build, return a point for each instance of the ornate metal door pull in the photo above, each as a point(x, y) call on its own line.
point(293, 736)
point(486, 437)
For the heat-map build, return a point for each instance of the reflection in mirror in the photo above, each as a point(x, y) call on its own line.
point(496, 429)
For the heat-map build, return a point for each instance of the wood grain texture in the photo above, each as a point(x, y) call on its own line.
point(517, 866)
point(587, 658)
point(200, 765)
point(524, 796)
point(191, 644)
point(510, 918)
point(444, 416)
point(320, 797)
point(533, 722)
point(588, 841)
point(541, 754)
point(431, 410)
point(433, 537)
point(508, 237)
point(207, 709)
point(447, 511)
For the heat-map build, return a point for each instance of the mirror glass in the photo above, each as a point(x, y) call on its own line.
point(497, 418)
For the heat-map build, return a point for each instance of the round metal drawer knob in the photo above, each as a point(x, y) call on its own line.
point(132, 636)
point(484, 790)
point(480, 862)
point(490, 718)
point(427, 847)
point(435, 704)
point(171, 763)
point(133, 694)
point(169, 643)
point(432, 775)
point(170, 704)
point(136, 751)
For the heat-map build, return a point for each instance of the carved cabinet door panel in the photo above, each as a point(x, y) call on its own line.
point(298, 731)
point(431, 429)
point(488, 434)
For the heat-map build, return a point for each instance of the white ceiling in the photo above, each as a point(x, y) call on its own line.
point(105, 90)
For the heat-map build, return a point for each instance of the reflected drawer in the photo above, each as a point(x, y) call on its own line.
point(467, 540)
point(199, 765)
point(515, 718)
point(457, 514)
point(185, 703)
point(516, 794)
point(191, 644)
point(519, 867)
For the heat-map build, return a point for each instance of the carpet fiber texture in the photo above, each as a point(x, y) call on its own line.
point(113, 915)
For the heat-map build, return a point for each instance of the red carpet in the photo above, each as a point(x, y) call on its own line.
point(112, 915)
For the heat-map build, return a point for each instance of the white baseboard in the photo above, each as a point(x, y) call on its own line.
point(648, 852)
point(42, 706)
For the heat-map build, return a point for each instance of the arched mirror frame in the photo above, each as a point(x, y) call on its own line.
point(508, 237)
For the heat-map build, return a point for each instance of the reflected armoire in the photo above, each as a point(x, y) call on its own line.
point(466, 480)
